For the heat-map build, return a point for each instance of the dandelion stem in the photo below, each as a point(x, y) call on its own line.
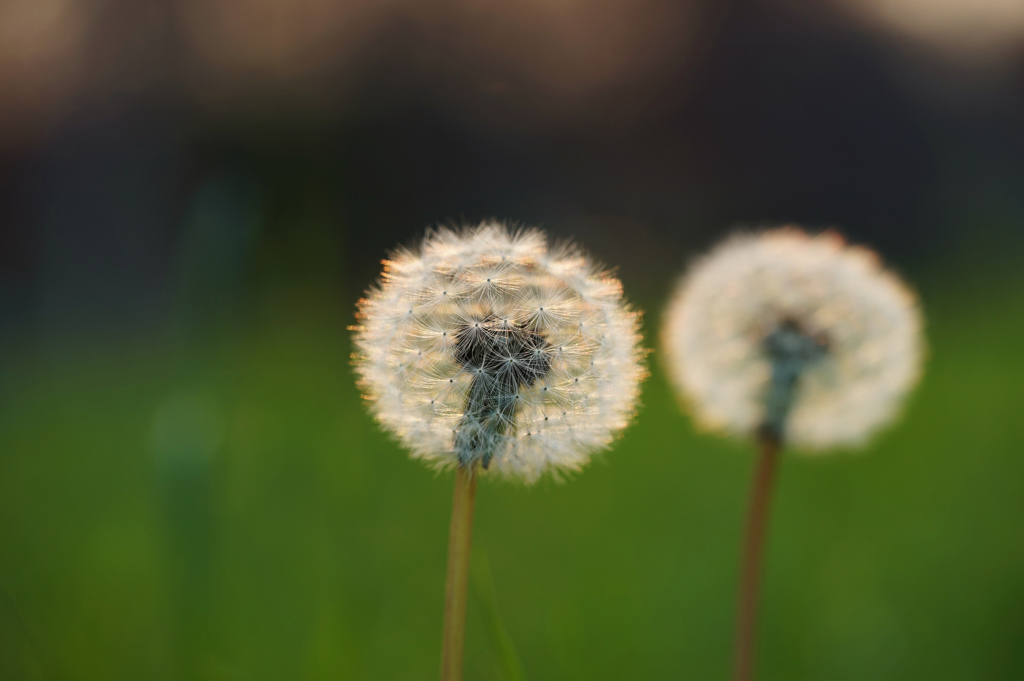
point(753, 546)
point(460, 535)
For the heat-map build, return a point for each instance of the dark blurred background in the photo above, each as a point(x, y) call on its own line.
point(193, 194)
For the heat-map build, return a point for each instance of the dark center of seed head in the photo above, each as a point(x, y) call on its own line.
point(503, 358)
point(790, 350)
point(506, 355)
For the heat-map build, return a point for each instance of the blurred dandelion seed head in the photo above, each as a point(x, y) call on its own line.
point(803, 335)
point(484, 345)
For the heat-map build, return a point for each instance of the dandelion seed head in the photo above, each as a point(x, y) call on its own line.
point(485, 345)
point(800, 334)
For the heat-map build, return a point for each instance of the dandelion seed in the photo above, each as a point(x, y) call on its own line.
point(496, 306)
point(802, 335)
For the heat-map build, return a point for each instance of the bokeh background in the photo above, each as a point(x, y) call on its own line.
point(193, 194)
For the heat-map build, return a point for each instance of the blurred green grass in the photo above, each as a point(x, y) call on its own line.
point(227, 510)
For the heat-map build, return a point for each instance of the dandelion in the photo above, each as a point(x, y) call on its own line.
point(793, 339)
point(486, 351)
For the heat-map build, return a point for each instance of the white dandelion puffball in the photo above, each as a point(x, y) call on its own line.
point(801, 335)
point(484, 346)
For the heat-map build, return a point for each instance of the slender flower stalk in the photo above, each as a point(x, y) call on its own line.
point(487, 352)
point(797, 340)
point(753, 548)
point(460, 537)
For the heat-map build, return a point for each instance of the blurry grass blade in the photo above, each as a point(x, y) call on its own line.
point(31, 651)
point(483, 584)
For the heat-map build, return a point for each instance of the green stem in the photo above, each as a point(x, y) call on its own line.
point(753, 550)
point(460, 535)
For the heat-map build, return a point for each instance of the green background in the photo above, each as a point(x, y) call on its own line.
point(217, 504)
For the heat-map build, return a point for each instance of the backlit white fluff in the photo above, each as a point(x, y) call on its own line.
point(719, 325)
point(484, 345)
